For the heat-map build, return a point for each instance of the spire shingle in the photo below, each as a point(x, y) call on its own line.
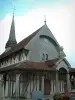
point(12, 38)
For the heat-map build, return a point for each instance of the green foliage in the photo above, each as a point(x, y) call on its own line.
point(57, 96)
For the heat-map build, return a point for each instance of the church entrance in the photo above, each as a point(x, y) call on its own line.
point(63, 80)
point(47, 87)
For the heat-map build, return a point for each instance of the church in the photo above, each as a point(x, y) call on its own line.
point(36, 65)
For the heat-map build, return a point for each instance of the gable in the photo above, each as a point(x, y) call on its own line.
point(63, 64)
point(38, 45)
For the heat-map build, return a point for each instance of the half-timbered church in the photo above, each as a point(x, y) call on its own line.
point(33, 68)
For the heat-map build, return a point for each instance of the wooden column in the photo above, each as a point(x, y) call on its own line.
point(42, 84)
point(57, 82)
point(50, 81)
point(9, 85)
point(33, 82)
point(40, 79)
point(30, 82)
point(17, 86)
point(38, 82)
point(68, 82)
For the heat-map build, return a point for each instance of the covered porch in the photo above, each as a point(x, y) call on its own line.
point(19, 81)
point(72, 78)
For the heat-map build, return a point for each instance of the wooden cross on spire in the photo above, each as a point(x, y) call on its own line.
point(14, 10)
point(45, 19)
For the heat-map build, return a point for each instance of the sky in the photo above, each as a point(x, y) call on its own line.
point(29, 16)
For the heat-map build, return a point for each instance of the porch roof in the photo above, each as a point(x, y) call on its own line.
point(28, 65)
point(52, 62)
point(72, 70)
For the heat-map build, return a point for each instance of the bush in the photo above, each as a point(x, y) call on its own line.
point(56, 96)
point(60, 96)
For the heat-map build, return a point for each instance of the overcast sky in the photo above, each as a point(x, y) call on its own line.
point(29, 16)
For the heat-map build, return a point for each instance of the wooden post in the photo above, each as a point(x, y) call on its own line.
point(30, 82)
point(9, 85)
point(36, 81)
point(17, 86)
point(12, 84)
point(68, 82)
point(33, 82)
point(57, 82)
point(39, 81)
point(50, 81)
point(42, 84)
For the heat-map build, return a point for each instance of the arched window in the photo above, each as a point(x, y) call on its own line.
point(43, 56)
point(46, 56)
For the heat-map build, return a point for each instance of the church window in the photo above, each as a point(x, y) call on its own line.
point(46, 56)
point(43, 56)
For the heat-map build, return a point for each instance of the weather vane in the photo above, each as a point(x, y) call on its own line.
point(45, 19)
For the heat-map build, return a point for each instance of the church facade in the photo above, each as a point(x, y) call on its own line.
point(36, 64)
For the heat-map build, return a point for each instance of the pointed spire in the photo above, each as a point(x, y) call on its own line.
point(12, 38)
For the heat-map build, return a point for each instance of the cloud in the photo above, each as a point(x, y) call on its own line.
point(4, 31)
point(60, 21)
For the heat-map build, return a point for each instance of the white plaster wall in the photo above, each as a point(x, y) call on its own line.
point(11, 60)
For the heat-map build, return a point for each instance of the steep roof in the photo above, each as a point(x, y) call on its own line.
point(72, 71)
point(25, 41)
point(52, 62)
point(20, 45)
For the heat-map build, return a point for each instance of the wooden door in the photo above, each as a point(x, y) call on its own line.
point(47, 87)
